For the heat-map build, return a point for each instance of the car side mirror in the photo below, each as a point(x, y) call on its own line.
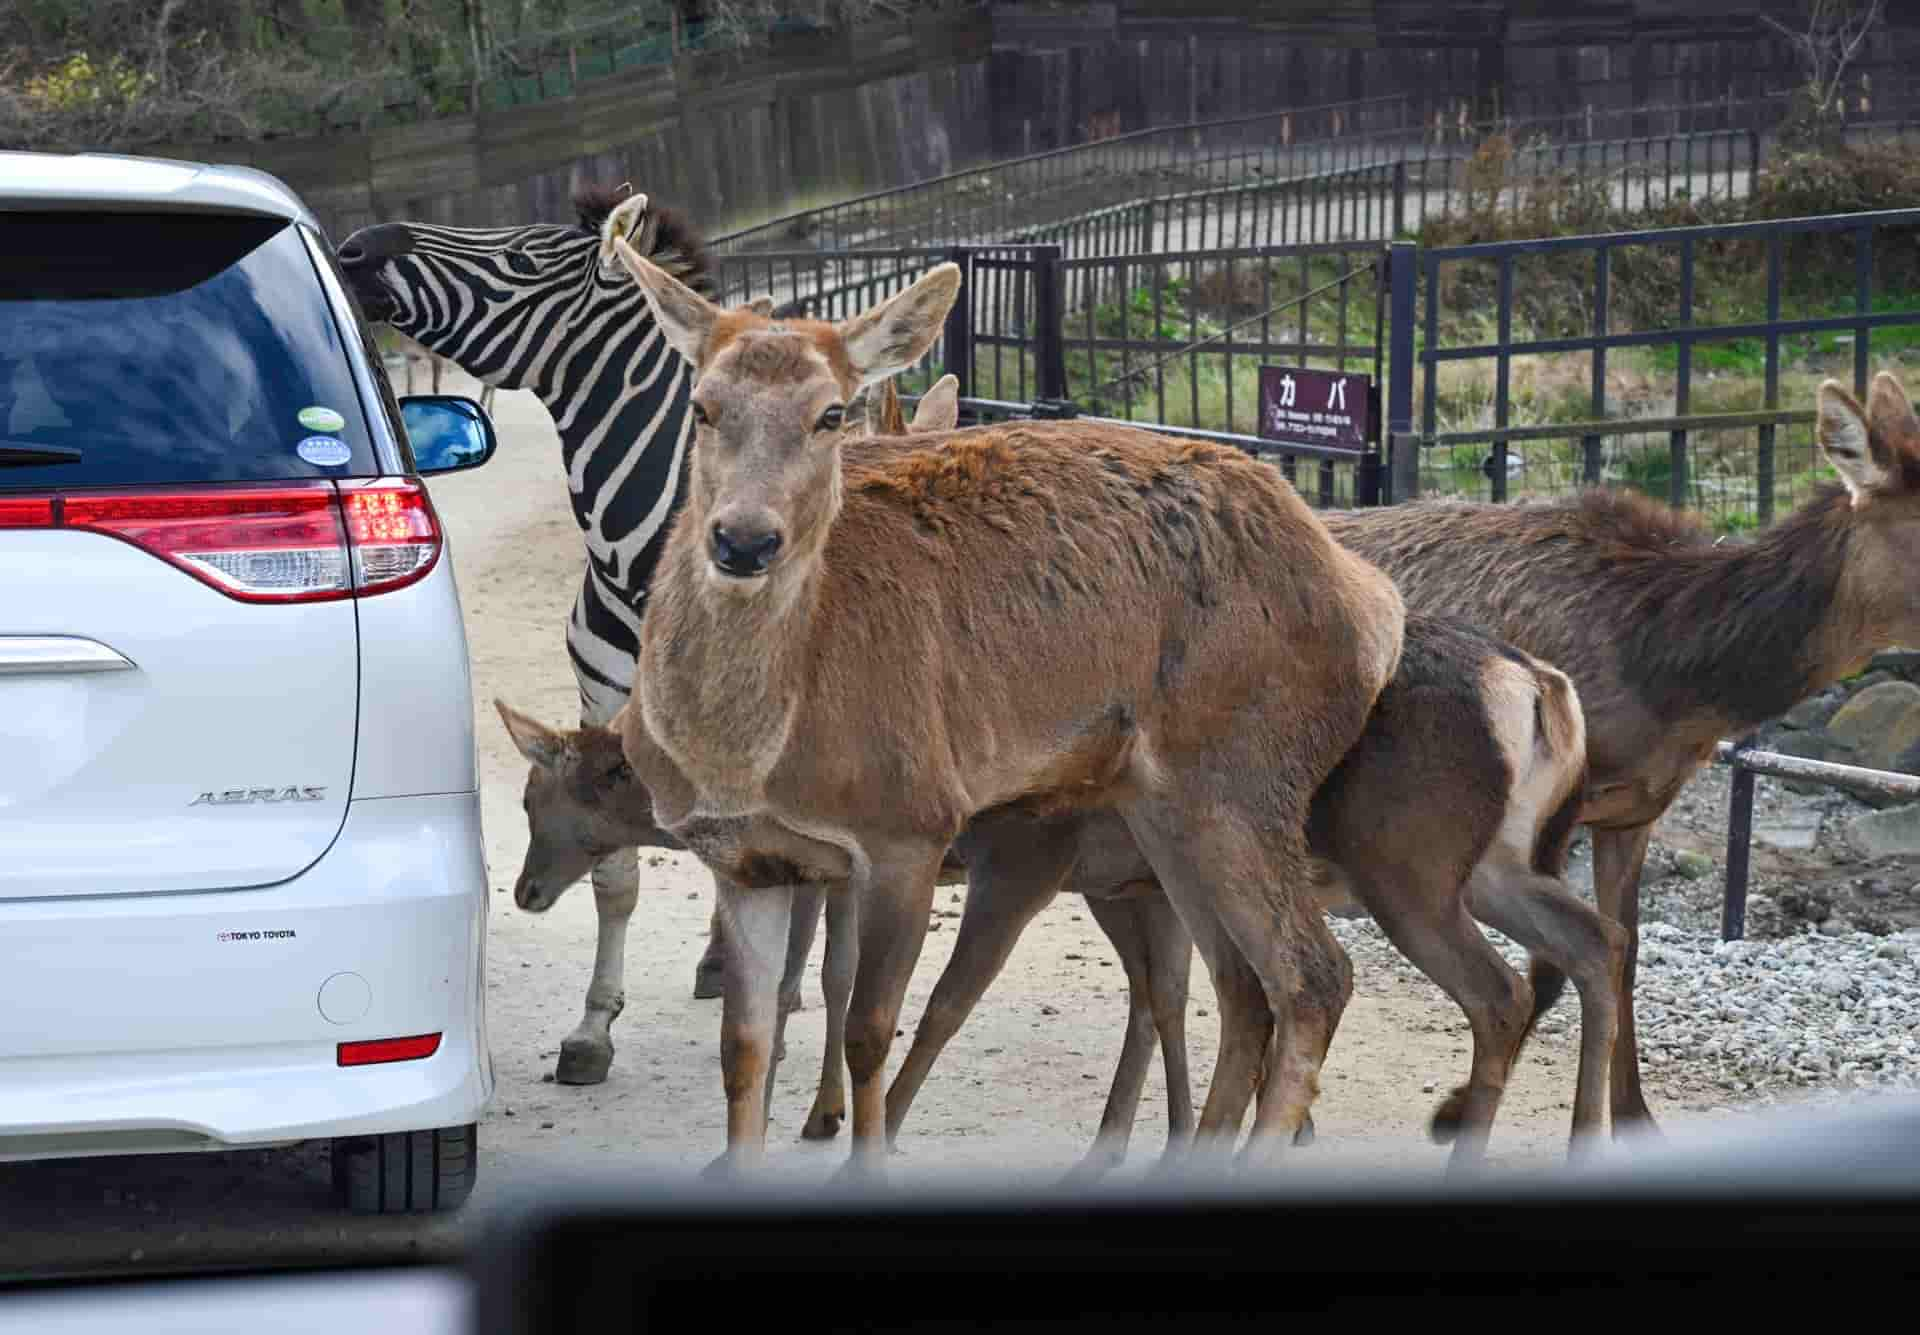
point(448, 433)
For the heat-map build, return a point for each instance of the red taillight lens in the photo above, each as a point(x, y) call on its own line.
point(394, 534)
point(373, 1051)
point(26, 512)
point(295, 542)
point(259, 544)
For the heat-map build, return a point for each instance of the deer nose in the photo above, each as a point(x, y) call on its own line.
point(743, 553)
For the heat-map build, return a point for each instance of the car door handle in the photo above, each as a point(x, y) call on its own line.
point(38, 655)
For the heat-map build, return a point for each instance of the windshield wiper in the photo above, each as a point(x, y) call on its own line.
point(24, 456)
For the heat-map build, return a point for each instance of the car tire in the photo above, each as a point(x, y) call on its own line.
point(408, 1171)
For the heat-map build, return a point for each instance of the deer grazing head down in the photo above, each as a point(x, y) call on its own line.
point(582, 803)
point(769, 406)
point(1877, 454)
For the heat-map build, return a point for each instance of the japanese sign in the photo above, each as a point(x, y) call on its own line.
point(1330, 409)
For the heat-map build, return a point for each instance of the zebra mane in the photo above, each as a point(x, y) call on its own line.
point(676, 244)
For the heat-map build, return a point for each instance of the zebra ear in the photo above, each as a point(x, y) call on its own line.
point(685, 317)
point(939, 407)
point(625, 223)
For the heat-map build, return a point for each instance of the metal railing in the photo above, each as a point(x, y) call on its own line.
point(1587, 273)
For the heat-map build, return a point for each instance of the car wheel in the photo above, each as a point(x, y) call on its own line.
point(408, 1171)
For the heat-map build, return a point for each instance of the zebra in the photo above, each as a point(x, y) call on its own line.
point(548, 308)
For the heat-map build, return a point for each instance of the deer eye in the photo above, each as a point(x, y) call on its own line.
point(700, 415)
point(831, 419)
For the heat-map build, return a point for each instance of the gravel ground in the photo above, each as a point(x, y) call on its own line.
point(1739, 1022)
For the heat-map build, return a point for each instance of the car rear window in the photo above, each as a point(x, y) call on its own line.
point(168, 348)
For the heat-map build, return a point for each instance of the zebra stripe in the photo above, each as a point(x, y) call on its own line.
point(531, 307)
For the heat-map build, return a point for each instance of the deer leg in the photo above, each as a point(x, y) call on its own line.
point(710, 974)
point(1618, 856)
point(586, 1054)
point(836, 981)
point(1539, 913)
point(1169, 966)
point(1117, 919)
point(1010, 878)
point(893, 908)
point(1253, 872)
point(757, 924)
point(1193, 863)
point(1433, 929)
point(801, 926)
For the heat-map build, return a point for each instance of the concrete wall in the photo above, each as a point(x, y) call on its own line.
point(1061, 71)
point(813, 118)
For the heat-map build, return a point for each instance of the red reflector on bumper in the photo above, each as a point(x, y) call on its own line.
point(375, 1050)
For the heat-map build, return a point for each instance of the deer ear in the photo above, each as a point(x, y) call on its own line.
point(761, 306)
point(540, 745)
point(1891, 424)
point(685, 317)
point(939, 407)
point(625, 223)
point(1850, 444)
point(892, 336)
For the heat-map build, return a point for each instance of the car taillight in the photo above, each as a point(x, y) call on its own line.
point(26, 512)
point(279, 544)
point(374, 1051)
point(392, 530)
point(293, 542)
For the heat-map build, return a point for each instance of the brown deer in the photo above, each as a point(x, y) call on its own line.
point(1499, 733)
point(576, 816)
point(1674, 640)
point(839, 668)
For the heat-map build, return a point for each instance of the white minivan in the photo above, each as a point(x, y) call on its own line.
point(242, 886)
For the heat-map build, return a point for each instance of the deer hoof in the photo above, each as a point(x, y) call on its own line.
point(823, 1125)
point(1446, 1118)
point(583, 1063)
point(1095, 1166)
point(709, 979)
point(1306, 1134)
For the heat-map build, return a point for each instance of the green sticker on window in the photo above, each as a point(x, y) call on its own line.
point(317, 418)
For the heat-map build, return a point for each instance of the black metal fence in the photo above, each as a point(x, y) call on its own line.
point(1169, 339)
point(1647, 155)
point(1657, 360)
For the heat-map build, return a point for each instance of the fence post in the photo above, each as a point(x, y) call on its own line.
point(1399, 199)
point(1403, 448)
point(1733, 912)
point(1049, 325)
point(959, 331)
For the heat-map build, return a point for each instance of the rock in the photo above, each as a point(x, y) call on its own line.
point(1880, 723)
point(1892, 833)
point(1833, 983)
point(1833, 927)
point(1692, 865)
point(1815, 710)
point(1812, 906)
point(1866, 681)
point(1795, 829)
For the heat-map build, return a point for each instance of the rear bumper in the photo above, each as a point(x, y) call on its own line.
point(194, 1021)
